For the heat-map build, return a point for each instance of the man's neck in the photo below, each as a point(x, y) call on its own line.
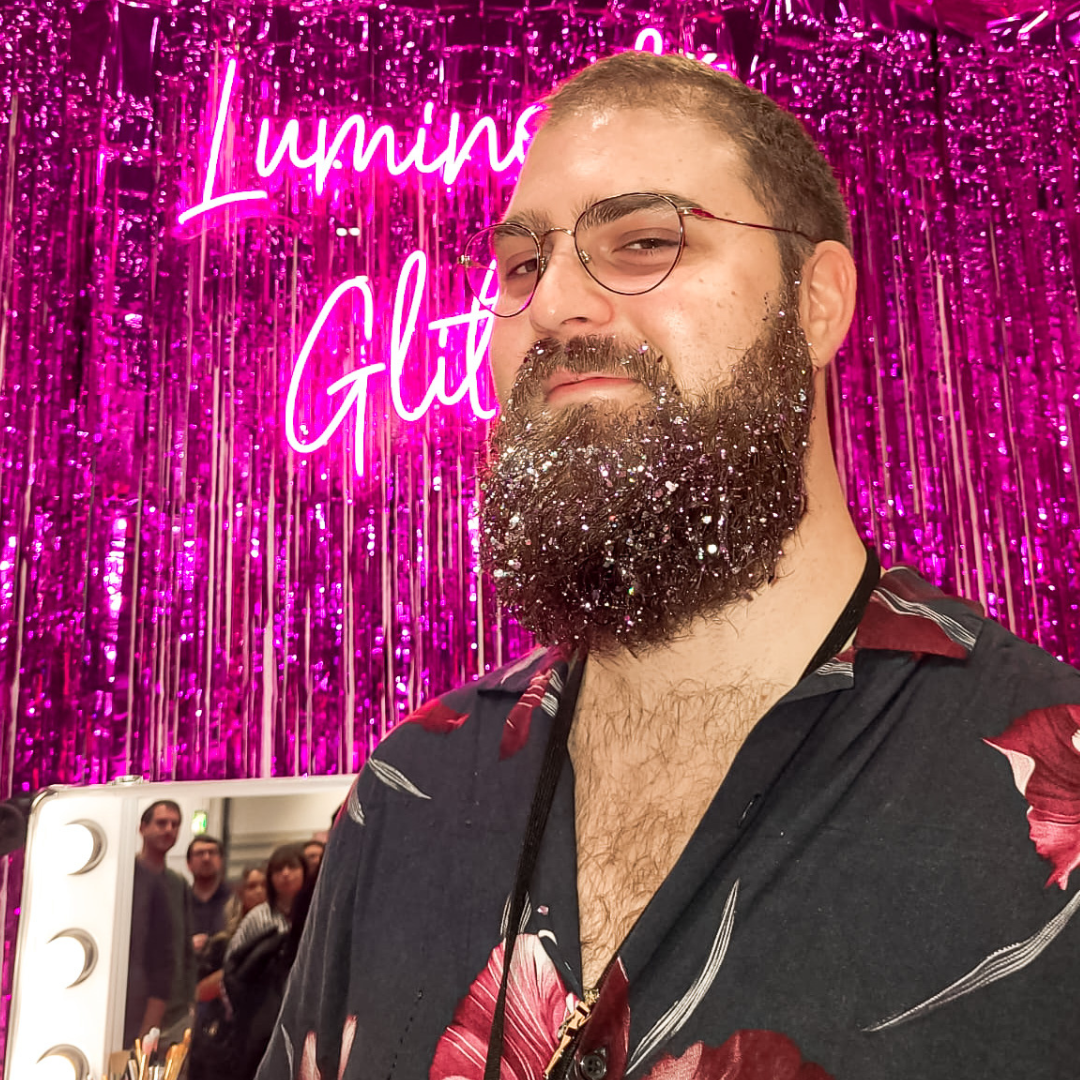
point(154, 860)
point(732, 667)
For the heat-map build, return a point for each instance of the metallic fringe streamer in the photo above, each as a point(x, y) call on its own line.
point(184, 595)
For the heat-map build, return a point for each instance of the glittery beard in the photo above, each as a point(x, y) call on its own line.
point(619, 525)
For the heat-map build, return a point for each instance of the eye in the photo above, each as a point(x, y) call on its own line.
point(649, 243)
point(645, 248)
point(519, 267)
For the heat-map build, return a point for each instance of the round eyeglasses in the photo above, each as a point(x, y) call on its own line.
point(629, 244)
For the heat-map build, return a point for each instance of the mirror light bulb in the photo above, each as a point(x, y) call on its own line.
point(66, 960)
point(74, 847)
point(55, 1067)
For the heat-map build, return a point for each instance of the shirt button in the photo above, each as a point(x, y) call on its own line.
point(593, 1066)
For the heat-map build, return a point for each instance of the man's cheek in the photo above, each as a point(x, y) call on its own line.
point(503, 373)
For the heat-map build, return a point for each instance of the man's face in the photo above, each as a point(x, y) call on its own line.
point(162, 830)
point(204, 862)
point(712, 306)
point(648, 464)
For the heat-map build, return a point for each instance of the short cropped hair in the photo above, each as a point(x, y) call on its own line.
point(148, 813)
point(204, 839)
point(784, 169)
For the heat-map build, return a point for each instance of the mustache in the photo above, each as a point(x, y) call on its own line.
point(604, 355)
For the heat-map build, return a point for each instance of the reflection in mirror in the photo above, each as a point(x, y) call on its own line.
point(148, 899)
point(213, 918)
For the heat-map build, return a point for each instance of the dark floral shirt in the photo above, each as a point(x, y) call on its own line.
point(884, 885)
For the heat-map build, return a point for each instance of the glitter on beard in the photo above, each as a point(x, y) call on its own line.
point(618, 526)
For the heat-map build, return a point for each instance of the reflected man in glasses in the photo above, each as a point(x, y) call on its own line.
point(753, 808)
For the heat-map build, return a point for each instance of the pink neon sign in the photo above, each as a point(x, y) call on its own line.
point(210, 201)
point(447, 156)
point(451, 150)
point(408, 297)
point(448, 159)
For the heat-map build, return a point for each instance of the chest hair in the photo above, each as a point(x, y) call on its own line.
point(643, 781)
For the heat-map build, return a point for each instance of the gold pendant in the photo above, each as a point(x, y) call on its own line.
point(570, 1028)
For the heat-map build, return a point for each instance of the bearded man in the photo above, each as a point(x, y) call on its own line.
point(756, 810)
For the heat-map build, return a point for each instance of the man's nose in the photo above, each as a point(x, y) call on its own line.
point(567, 300)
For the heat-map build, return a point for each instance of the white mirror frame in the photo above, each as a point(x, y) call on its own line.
point(93, 904)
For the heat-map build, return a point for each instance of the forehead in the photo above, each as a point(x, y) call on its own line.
point(594, 155)
point(163, 815)
point(204, 847)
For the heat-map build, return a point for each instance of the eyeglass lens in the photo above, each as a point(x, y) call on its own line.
point(628, 244)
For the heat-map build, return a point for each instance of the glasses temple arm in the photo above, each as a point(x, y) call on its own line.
point(697, 211)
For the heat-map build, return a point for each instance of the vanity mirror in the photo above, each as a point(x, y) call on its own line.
point(71, 964)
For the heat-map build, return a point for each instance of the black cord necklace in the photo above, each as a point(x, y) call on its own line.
point(554, 756)
point(848, 620)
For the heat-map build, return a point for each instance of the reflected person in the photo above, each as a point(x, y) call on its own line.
point(260, 954)
point(150, 955)
point(159, 829)
point(313, 855)
point(216, 1047)
point(209, 892)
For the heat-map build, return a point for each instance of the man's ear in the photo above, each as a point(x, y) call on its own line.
point(827, 299)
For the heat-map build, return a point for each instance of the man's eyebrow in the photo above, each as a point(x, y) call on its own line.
point(538, 222)
point(534, 220)
point(681, 201)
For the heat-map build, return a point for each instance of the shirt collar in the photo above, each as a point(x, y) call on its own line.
point(905, 614)
point(515, 678)
point(908, 614)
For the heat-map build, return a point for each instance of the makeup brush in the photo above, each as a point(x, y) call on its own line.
point(149, 1045)
point(174, 1061)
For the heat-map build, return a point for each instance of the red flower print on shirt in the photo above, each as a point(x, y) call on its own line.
point(515, 732)
point(516, 728)
point(537, 1003)
point(436, 717)
point(309, 1070)
point(1043, 748)
point(747, 1055)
